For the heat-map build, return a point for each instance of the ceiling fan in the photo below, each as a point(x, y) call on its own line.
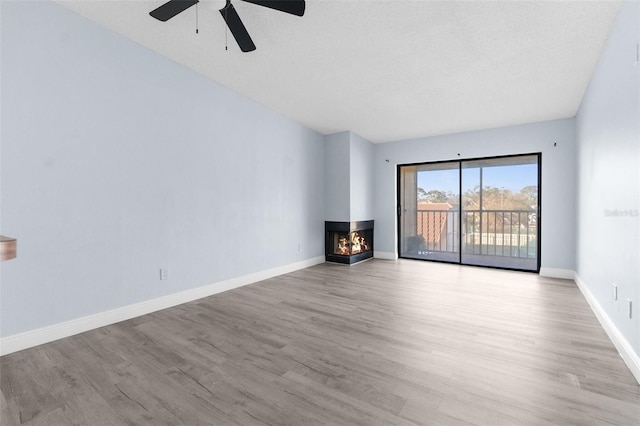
point(229, 14)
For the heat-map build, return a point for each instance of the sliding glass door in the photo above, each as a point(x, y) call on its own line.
point(430, 214)
point(475, 212)
point(500, 212)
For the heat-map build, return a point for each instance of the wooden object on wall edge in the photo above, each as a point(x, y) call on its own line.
point(7, 248)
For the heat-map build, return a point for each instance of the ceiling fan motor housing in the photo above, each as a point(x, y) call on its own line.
point(214, 4)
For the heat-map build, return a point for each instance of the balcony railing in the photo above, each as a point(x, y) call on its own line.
point(507, 233)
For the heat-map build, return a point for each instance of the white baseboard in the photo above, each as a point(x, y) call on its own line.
point(623, 346)
point(31, 338)
point(385, 255)
point(565, 274)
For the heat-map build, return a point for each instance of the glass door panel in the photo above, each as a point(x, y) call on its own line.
point(499, 212)
point(429, 211)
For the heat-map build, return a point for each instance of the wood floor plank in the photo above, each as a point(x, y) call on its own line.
point(382, 342)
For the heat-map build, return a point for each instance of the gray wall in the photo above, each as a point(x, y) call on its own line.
point(362, 178)
point(349, 179)
point(116, 162)
point(337, 188)
point(608, 147)
point(558, 178)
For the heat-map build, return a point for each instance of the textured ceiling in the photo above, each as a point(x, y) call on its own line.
point(388, 70)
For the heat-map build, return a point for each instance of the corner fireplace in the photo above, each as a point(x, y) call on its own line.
point(348, 242)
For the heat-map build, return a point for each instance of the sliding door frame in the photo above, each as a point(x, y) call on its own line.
point(460, 161)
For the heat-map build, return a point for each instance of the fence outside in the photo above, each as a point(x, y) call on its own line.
point(507, 233)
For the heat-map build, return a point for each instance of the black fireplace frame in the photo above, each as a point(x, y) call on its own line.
point(347, 227)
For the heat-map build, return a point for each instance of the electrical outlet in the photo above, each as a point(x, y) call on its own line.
point(615, 291)
point(298, 246)
point(629, 304)
point(164, 274)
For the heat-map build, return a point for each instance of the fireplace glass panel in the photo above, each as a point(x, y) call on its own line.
point(349, 242)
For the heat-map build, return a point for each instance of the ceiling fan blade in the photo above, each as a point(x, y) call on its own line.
point(237, 28)
point(171, 9)
point(294, 7)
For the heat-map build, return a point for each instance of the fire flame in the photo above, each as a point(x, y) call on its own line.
point(357, 244)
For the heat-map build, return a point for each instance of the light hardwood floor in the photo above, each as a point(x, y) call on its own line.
point(382, 342)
